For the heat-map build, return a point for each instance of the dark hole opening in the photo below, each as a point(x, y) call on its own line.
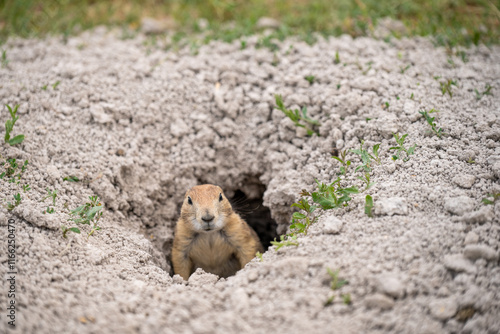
point(256, 215)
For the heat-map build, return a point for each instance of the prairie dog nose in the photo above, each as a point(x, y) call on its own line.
point(207, 218)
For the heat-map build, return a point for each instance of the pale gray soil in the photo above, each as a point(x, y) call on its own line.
point(140, 125)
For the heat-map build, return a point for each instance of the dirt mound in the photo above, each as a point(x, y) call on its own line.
point(138, 126)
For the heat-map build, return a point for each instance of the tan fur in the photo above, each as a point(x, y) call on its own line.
point(223, 246)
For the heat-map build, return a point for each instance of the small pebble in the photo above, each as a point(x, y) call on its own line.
point(390, 285)
point(458, 263)
point(459, 205)
point(464, 180)
point(380, 301)
point(474, 252)
point(332, 225)
point(443, 309)
point(471, 238)
point(391, 206)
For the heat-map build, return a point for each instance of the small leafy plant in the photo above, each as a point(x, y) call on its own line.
point(65, 230)
point(301, 221)
point(368, 205)
point(259, 255)
point(310, 78)
point(367, 157)
point(446, 86)
point(494, 196)
point(336, 284)
point(89, 214)
point(51, 194)
point(487, 91)
point(11, 167)
point(337, 58)
point(17, 198)
point(404, 69)
point(345, 163)
point(71, 178)
point(400, 148)
point(375, 156)
point(430, 120)
point(332, 196)
point(9, 125)
point(366, 180)
point(328, 196)
point(26, 188)
point(49, 210)
point(285, 240)
point(297, 116)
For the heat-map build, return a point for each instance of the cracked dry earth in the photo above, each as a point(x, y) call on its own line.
point(139, 125)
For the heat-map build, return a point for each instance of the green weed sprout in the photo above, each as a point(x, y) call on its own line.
point(368, 205)
point(495, 197)
point(345, 163)
point(365, 158)
point(296, 116)
point(51, 194)
point(285, 240)
point(11, 166)
point(366, 181)
point(65, 230)
point(4, 60)
point(337, 58)
point(9, 125)
point(430, 120)
point(328, 196)
point(346, 298)
point(71, 178)
point(336, 284)
point(301, 221)
point(400, 148)
point(49, 210)
point(259, 255)
point(10, 206)
point(88, 214)
point(26, 187)
point(310, 78)
point(375, 156)
point(487, 91)
point(332, 196)
point(446, 86)
point(404, 69)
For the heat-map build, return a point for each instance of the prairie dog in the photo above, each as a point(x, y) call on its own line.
point(211, 236)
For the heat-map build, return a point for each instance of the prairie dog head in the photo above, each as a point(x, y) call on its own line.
point(205, 207)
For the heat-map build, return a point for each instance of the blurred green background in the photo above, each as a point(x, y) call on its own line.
point(452, 22)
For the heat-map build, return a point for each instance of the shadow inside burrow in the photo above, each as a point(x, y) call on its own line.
point(252, 210)
point(256, 215)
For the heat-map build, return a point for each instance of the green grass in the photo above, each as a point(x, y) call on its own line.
point(444, 19)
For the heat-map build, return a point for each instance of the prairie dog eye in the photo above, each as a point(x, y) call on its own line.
point(220, 197)
point(190, 201)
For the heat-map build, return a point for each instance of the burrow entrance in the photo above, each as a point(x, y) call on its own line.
point(256, 215)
